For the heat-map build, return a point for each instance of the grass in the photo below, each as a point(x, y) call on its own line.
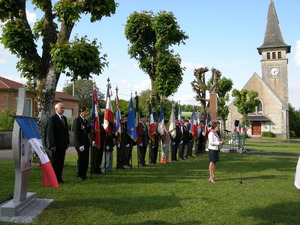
point(175, 193)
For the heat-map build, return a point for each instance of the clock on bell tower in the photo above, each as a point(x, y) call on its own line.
point(274, 61)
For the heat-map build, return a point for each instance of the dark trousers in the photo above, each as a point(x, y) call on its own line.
point(97, 159)
point(120, 157)
point(82, 161)
point(201, 146)
point(190, 148)
point(174, 150)
point(153, 153)
point(183, 150)
point(58, 160)
point(127, 156)
point(142, 154)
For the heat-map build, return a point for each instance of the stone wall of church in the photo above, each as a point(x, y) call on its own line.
point(272, 108)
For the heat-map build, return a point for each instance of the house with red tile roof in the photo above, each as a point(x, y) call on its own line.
point(9, 96)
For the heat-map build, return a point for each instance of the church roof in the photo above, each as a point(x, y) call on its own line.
point(260, 118)
point(273, 37)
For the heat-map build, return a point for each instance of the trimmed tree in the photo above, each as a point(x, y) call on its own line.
point(224, 86)
point(200, 85)
point(246, 102)
point(58, 55)
point(151, 36)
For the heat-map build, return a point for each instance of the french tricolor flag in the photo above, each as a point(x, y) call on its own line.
point(151, 124)
point(108, 115)
point(30, 129)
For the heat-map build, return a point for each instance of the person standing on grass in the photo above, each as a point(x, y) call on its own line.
point(297, 176)
point(142, 140)
point(82, 143)
point(213, 146)
point(58, 140)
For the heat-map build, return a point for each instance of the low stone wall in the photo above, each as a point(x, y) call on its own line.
point(6, 139)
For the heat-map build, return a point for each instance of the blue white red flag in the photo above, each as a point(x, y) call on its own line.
point(108, 115)
point(151, 124)
point(118, 127)
point(30, 130)
point(131, 129)
point(193, 126)
point(161, 122)
point(95, 125)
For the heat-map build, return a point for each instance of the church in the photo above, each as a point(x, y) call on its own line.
point(272, 114)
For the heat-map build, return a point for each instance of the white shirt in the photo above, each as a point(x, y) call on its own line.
point(213, 141)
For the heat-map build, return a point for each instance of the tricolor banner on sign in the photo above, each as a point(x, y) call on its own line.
point(30, 129)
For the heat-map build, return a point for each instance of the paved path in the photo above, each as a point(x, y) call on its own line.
point(7, 154)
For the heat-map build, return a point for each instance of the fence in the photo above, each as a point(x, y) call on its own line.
point(233, 142)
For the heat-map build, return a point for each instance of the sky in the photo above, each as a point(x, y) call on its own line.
point(223, 34)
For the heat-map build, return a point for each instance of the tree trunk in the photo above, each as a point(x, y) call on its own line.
point(46, 94)
point(154, 95)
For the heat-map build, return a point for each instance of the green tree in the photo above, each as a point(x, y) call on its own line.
point(83, 90)
point(7, 119)
point(294, 119)
point(224, 86)
point(246, 102)
point(151, 36)
point(58, 54)
point(145, 100)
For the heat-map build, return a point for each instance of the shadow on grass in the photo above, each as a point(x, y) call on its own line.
point(159, 222)
point(122, 206)
point(281, 213)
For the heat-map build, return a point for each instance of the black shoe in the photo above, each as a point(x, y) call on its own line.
point(61, 181)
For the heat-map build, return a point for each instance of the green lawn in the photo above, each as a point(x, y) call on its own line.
point(175, 193)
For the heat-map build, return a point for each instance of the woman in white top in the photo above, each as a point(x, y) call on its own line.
point(213, 146)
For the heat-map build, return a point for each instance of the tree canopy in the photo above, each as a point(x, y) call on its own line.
point(246, 102)
point(151, 36)
point(79, 58)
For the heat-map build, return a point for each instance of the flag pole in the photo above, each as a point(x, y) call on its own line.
point(91, 142)
point(137, 119)
point(105, 150)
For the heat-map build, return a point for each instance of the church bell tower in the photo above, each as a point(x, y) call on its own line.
point(274, 61)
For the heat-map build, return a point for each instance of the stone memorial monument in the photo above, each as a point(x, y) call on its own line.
point(22, 151)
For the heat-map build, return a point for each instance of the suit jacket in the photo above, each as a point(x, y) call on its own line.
point(58, 133)
point(142, 134)
point(81, 132)
point(185, 133)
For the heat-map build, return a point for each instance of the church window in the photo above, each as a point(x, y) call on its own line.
point(279, 55)
point(259, 108)
point(268, 55)
point(273, 55)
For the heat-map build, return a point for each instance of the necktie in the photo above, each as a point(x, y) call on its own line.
point(62, 120)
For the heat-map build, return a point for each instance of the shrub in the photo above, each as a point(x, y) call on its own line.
point(268, 134)
point(7, 121)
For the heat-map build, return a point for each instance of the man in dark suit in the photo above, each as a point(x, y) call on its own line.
point(82, 143)
point(175, 141)
point(183, 151)
point(97, 151)
point(58, 138)
point(142, 140)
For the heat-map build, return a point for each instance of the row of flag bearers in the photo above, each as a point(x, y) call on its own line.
point(178, 138)
point(96, 138)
